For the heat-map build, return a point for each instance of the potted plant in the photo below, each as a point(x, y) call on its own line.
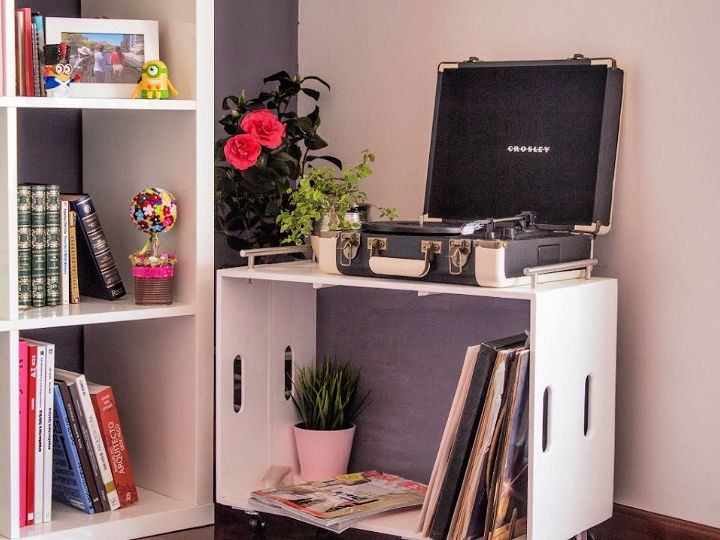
point(328, 400)
point(154, 211)
point(321, 204)
point(267, 147)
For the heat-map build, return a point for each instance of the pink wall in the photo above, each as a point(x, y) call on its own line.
point(381, 56)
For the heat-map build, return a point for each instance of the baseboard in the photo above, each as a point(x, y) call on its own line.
point(638, 524)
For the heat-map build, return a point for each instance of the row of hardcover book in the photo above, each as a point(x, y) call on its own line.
point(72, 447)
point(478, 486)
point(62, 249)
point(29, 57)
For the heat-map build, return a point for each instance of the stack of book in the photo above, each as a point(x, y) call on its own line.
point(478, 486)
point(29, 58)
point(62, 249)
point(72, 448)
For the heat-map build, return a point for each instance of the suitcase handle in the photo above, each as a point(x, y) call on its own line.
point(415, 268)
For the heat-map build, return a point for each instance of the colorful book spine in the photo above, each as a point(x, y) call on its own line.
point(87, 437)
point(48, 414)
point(69, 485)
point(100, 276)
point(31, 434)
point(35, 64)
point(80, 446)
point(64, 253)
point(23, 408)
point(53, 245)
point(40, 427)
point(72, 249)
point(38, 245)
point(112, 435)
point(39, 24)
point(24, 217)
point(19, 56)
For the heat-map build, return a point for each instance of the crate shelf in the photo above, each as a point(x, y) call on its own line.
point(99, 103)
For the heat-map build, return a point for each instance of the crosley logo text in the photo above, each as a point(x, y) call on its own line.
point(529, 149)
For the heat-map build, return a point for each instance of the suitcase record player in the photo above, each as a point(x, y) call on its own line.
point(521, 173)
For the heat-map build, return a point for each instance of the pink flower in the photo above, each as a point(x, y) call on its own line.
point(242, 151)
point(265, 126)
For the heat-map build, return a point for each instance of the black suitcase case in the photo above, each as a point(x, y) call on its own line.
point(526, 151)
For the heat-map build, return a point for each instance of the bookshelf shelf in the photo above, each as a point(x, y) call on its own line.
point(265, 311)
point(165, 393)
point(148, 517)
point(94, 311)
point(99, 103)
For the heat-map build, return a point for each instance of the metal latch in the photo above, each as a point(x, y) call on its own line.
point(375, 244)
point(349, 245)
point(458, 255)
point(430, 248)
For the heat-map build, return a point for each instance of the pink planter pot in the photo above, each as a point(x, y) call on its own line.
point(323, 454)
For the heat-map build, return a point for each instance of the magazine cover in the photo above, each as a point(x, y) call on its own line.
point(338, 503)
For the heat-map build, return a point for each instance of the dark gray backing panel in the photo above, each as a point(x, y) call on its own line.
point(50, 151)
point(252, 40)
point(411, 350)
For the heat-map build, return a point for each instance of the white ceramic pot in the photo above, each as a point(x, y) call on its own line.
point(323, 454)
point(324, 248)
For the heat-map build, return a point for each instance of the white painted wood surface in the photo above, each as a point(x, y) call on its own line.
point(573, 334)
point(164, 391)
point(98, 103)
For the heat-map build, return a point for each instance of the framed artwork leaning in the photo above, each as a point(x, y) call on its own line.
point(108, 54)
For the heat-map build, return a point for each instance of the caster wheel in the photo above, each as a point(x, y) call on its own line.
point(257, 524)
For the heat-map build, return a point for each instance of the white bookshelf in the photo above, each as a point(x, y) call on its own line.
point(159, 360)
point(573, 328)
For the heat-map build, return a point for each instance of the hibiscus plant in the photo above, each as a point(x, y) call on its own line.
point(267, 148)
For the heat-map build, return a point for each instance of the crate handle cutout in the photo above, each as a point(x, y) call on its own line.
point(237, 383)
point(288, 362)
point(586, 426)
point(546, 420)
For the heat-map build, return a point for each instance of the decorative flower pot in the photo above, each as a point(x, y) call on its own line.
point(323, 454)
point(154, 280)
point(324, 247)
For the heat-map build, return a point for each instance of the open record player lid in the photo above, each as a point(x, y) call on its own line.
point(515, 136)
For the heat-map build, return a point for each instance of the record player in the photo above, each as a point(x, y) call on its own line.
point(521, 174)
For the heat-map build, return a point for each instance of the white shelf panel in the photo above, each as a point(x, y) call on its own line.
point(153, 514)
point(5, 326)
point(95, 311)
point(99, 103)
point(308, 272)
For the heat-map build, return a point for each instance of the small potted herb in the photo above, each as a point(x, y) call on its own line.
point(321, 205)
point(327, 398)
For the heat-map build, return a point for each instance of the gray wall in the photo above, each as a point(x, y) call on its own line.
point(410, 350)
point(253, 39)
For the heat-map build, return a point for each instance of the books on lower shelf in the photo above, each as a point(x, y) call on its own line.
point(72, 448)
point(339, 503)
point(62, 249)
point(478, 486)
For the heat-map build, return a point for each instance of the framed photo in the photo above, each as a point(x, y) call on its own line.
point(108, 53)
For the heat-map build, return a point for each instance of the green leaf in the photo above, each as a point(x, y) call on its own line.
point(314, 78)
point(279, 76)
point(312, 93)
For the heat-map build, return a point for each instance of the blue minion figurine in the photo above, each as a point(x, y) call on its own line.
point(58, 75)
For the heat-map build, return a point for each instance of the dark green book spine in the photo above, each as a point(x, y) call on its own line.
point(24, 214)
point(38, 245)
point(53, 251)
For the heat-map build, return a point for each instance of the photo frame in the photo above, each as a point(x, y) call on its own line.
point(107, 53)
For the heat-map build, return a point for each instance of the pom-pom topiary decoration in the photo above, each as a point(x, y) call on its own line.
point(153, 211)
